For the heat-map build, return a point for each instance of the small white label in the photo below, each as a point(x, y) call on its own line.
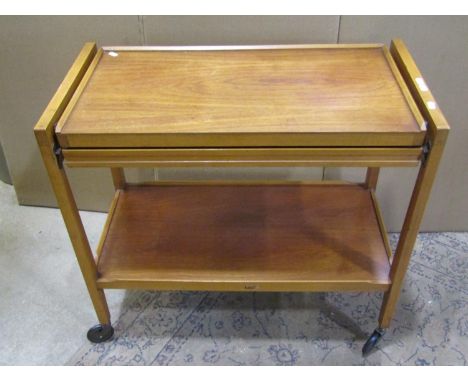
point(422, 84)
point(113, 54)
point(431, 105)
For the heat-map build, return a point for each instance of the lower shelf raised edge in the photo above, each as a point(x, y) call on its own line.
point(244, 238)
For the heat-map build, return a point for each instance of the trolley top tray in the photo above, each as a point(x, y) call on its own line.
point(315, 95)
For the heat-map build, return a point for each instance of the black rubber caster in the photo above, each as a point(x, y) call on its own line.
point(100, 333)
point(372, 341)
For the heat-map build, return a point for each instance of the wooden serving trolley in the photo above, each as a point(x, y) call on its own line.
point(294, 105)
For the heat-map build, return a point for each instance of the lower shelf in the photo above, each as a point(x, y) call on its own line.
point(244, 237)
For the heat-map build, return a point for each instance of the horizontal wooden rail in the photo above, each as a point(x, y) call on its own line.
point(238, 47)
point(354, 157)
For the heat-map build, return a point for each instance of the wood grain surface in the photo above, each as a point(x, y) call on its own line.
point(236, 98)
point(256, 237)
point(438, 130)
point(44, 132)
point(239, 157)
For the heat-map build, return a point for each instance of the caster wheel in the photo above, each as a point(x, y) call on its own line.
point(100, 333)
point(372, 341)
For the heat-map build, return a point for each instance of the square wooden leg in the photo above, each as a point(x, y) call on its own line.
point(75, 228)
point(118, 177)
point(372, 176)
point(410, 228)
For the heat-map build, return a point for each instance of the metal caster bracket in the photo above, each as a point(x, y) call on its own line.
point(372, 341)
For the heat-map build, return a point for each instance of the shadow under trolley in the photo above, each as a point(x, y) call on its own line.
point(345, 105)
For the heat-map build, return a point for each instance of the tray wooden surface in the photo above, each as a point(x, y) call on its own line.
point(334, 95)
point(241, 237)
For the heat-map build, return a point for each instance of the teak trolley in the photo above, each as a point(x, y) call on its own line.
point(293, 105)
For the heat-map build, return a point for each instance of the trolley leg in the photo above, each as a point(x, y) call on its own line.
point(118, 178)
point(410, 228)
point(77, 234)
point(408, 236)
point(372, 176)
point(53, 161)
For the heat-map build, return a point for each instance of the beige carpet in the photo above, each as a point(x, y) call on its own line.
point(197, 328)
